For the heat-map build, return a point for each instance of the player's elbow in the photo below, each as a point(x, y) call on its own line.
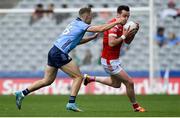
point(111, 44)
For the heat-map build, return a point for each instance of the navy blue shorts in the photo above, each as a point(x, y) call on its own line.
point(57, 58)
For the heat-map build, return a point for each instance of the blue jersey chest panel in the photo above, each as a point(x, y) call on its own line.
point(71, 36)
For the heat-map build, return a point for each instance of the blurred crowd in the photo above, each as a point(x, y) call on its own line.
point(171, 10)
point(40, 12)
point(161, 37)
point(169, 38)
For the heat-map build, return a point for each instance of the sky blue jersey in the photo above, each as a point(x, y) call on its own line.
point(71, 36)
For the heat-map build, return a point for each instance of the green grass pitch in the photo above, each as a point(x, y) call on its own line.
point(93, 106)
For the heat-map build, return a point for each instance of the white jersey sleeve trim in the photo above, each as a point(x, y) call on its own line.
point(113, 35)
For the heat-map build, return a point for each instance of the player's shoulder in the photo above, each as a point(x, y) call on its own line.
point(112, 20)
point(116, 26)
point(78, 21)
point(78, 24)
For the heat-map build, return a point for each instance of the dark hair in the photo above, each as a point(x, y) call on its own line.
point(90, 5)
point(123, 7)
point(160, 29)
point(105, 5)
point(39, 5)
point(64, 6)
point(84, 10)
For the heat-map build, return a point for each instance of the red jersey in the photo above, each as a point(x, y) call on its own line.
point(111, 53)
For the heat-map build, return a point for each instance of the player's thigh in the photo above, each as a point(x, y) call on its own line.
point(124, 77)
point(50, 73)
point(115, 80)
point(71, 69)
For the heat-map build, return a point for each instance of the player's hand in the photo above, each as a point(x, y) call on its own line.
point(126, 31)
point(121, 20)
point(137, 26)
point(96, 35)
point(133, 31)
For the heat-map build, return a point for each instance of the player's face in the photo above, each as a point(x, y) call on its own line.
point(124, 15)
point(88, 18)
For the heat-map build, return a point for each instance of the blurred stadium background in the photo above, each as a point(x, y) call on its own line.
point(24, 46)
point(25, 42)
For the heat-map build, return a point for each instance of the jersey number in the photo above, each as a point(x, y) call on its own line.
point(67, 30)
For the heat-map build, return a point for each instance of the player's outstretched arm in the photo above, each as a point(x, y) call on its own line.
point(89, 38)
point(104, 27)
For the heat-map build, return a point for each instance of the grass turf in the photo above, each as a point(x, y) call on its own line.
point(93, 106)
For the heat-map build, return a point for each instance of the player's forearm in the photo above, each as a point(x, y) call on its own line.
point(107, 26)
point(86, 39)
point(101, 28)
point(116, 41)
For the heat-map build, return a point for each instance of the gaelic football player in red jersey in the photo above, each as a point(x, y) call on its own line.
point(112, 42)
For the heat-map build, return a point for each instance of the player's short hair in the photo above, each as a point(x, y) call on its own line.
point(84, 10)
point(160, 29)
point(122, 7)
point(39, 5)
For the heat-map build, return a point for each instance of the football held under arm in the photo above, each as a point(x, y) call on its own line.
point(134, 27)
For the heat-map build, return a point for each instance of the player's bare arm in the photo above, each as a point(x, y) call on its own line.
point(104, 27)
point(89, 38)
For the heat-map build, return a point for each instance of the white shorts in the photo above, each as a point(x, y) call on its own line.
point(112, 66)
